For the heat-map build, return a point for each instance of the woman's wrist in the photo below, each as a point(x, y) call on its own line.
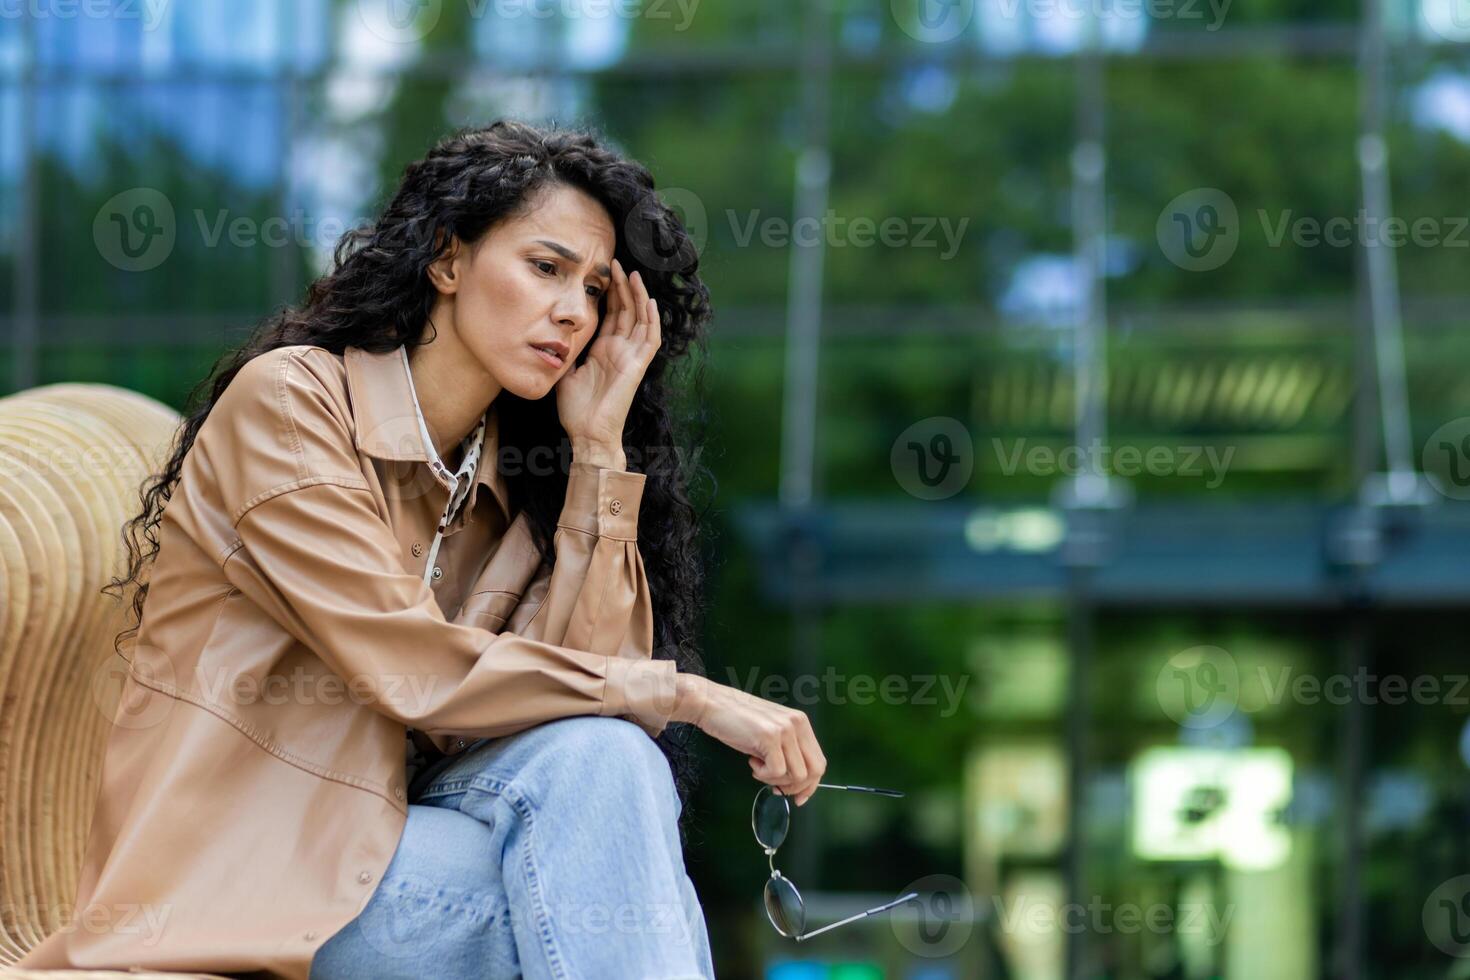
point(599, 454)
point(691, 694)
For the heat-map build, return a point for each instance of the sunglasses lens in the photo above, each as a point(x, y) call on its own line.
point(784, 908)
point(771, 818)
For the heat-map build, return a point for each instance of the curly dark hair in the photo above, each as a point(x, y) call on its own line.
point(378, 296)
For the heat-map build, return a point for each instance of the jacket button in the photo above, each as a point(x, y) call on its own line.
point(616, 507)
point(398, 792)
point(365, 877)
point(418, 550)
point(308, 936)
point(461, 743)
point(438, 573)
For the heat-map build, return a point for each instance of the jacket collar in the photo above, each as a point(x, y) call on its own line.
point(388, 419)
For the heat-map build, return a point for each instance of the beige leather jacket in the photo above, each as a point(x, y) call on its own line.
point(253, 789)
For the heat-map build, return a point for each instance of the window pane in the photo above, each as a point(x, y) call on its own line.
point(10, 189)
point(150, 37)
point(176, 182)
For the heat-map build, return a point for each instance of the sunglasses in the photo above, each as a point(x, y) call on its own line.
point(770, 818)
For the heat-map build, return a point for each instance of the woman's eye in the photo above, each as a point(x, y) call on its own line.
point(596, 292)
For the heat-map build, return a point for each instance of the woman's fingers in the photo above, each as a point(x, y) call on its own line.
point(631, 311)
point(647, 332)
point(792, 781)
point(778, 741)
point(795, 758)
point(800, 782)
point(816, 760)
point(773, 764)
point(767, 771)
point(614, 301)
point(640, 291)
point(639, 333)
point(655, 325)
point(803, 761)
point(627, 311)
point(641, 301)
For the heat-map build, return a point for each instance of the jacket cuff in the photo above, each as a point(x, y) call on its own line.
point(643, 691)
point(603, 501)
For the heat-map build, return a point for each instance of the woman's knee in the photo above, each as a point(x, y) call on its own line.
point(441, 896)
point(591, 753)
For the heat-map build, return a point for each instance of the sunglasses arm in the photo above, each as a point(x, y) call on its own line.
point(897, 794)
point(853, 918)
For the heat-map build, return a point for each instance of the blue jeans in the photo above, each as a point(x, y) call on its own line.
point(550, 853)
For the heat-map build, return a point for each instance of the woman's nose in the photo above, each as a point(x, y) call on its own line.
point(574, 314)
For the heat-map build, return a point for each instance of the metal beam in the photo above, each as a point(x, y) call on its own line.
point(1272, 554)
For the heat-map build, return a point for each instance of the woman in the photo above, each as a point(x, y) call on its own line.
point(392, 701)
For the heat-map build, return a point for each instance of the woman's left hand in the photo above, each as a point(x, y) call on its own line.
point(593, 400)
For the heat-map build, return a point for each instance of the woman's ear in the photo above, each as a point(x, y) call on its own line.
point(444, 272)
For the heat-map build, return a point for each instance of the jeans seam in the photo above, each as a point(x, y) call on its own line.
point(445, 788)
point(525, 808)
point(543, 920)
point(437, 789)
point(478, 910)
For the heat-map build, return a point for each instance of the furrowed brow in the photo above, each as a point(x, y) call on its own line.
point(571, 256)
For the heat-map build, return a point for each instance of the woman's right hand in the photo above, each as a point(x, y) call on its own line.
point(777, 740)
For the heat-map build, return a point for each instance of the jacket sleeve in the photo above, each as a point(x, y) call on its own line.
point(595, 596)
point(314, 552)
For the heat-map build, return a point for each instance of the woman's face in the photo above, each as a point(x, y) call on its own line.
point(530, 281)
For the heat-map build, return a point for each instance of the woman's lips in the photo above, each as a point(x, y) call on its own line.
point(548, 357)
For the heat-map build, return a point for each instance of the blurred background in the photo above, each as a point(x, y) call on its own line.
point(1089, 412)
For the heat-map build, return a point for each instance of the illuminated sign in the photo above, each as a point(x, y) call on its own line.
point(1199, 803)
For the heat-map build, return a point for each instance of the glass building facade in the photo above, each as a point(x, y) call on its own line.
point(1208, 722)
